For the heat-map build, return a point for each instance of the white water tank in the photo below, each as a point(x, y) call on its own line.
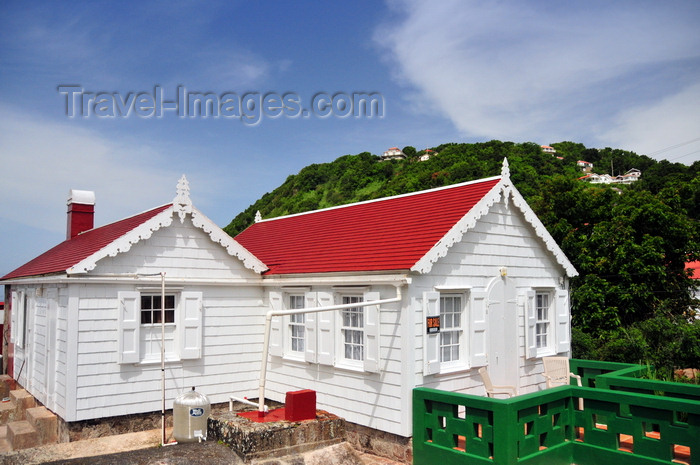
point(190, 413)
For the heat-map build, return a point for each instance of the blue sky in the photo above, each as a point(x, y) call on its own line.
point(621, 74)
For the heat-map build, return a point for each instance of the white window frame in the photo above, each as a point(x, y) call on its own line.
point(356, 317)
point(558, 319)
point(544, 322)
point(472, 329)
point(298, 321)
point(461, 362)
point(186, 329)
point(150, 333)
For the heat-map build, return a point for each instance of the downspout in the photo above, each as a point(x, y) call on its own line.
point(268, 324)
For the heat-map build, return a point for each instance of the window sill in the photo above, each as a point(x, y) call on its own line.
point(355, 366)
point(156, 361)
point(546, 352)
point(453, 369)
point(291, 357)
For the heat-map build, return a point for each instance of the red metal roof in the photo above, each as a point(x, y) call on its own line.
point(71, 251)
point(386, 234)
point(695, 267)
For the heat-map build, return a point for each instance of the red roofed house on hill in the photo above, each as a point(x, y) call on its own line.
point(420, 290)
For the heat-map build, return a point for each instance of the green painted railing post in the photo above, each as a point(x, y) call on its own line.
point(505, 445)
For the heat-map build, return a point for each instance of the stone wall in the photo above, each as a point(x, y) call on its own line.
point(383, 444)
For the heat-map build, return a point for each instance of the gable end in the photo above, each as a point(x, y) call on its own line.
point(469, 220)
point(163, 220)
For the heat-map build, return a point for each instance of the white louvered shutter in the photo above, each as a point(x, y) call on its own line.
point(479, 325)
point(311, 329)
point(190, 325)
point(563, 319)
point(372, 333)
point(530, 325)
point(326, 329)
point(129, 326)
point(276, 332)
point(431, 342)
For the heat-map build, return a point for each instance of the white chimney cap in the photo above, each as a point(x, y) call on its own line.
point(81, 197)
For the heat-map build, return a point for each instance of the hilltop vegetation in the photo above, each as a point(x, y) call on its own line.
point(629, 242)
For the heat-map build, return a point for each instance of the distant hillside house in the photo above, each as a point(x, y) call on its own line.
point(427, 155)
point(394, 153)
point(585, 166)
point(470, 278)
point(548, 149)
point(629, 177)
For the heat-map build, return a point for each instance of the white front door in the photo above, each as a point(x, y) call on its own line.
point(503, 334)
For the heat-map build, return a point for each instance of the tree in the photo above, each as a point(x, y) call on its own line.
point(409, 151)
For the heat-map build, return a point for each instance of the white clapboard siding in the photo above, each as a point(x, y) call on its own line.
point(229, 362)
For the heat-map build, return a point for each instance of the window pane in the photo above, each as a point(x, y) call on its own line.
point(542, 325)
point(296, 302)
point(446, 354)
point(357, 353)
point(151, 309)
point(451, 327)
point(352, 328)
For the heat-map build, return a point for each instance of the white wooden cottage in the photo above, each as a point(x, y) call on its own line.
point(85, 320)
point(471, 260)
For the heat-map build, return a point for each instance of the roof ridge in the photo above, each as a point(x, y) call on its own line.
point(364, 202)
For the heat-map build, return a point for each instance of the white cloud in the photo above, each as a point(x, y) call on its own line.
point(654, 128)
point(526, 70)
point(43, 160)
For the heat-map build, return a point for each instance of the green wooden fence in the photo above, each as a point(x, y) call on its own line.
point(553, 427)
point(627, 377)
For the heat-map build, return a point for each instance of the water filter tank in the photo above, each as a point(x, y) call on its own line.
point(190, 414)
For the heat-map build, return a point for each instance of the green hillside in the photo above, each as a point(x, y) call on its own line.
point(629, 242)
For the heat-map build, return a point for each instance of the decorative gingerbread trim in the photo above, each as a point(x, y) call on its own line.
point(233, 248)
point(124, 243)
point(182, 206)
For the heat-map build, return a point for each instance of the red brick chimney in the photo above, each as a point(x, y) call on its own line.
point(81, 212)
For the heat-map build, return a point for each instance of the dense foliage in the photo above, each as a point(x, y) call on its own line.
point(629, 243)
